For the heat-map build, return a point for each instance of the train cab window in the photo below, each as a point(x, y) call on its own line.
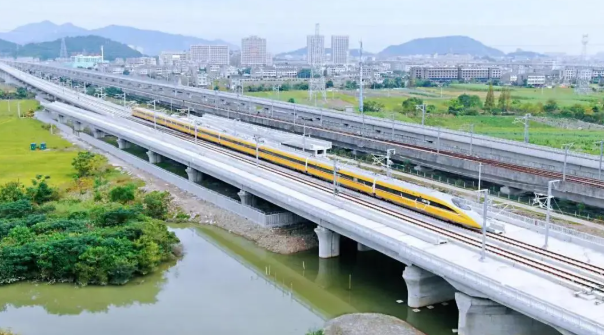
point(459, 203)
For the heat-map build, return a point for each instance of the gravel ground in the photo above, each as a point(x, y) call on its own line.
point(369, 324)
point(287, 240)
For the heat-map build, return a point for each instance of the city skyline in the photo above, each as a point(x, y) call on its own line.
point(542, 26)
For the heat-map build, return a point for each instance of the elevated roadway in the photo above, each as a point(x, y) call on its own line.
point(517, 165)
point(525, 281)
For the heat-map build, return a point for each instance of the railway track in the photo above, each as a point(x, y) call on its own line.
point(586, 281)
point(508, 166)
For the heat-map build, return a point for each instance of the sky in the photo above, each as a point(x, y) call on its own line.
point(537, 25)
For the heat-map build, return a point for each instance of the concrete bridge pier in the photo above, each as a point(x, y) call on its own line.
point(154, 157)
point(123, 144)
point(98, 134)
point(247, 198)
point(362, 248)
point(195, 176)
point(425, 288)
point(478, 316)
point(78, 126)
point(329, 242)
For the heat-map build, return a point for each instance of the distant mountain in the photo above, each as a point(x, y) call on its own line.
point(7, 48)
point(42, 32)
point(151, 42)
point(525, 54)
point(303, 51)
point(441, 45)
point(88, 44)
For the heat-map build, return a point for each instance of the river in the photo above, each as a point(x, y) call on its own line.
point(223, 285)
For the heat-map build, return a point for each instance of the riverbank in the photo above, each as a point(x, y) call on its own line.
point(287, 240)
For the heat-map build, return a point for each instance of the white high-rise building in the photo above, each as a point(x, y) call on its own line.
point(316, 49)
point(253, 51)
point(339, 49)
point(210, 54)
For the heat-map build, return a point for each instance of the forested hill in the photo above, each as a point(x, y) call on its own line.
point(7, 48)
point(441, 45)
point(81, 44)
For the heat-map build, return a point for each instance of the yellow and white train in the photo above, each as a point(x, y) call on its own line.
point(421, 199)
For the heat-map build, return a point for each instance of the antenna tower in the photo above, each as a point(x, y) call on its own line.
point(584, 41)
point(583, 72)
point(316, 52)
point(63, 52)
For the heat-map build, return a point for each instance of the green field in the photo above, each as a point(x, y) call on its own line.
point(17, 161)
point(497, 126)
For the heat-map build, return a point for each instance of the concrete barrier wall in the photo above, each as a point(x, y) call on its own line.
point(224, 202)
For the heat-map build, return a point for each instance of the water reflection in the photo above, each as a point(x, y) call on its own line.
point(207, 292)
point(65, 299)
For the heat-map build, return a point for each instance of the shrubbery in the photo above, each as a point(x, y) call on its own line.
point(43, 237)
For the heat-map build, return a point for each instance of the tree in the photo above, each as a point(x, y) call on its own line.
point(372, 106)
point(470, 101)
point(40, 192)
point(157, 204)
point(410, 104)
point(489, 102)
point(122, 194)
point(329, 84)
point(455, 107)
point(292, 100)
point(12, 191)
point(501, 101)
point(304, 73)
point(87, 163)
point(550, 106)
point(126, 73)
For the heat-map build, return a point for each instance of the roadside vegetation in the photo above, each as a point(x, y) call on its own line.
point(101, 230)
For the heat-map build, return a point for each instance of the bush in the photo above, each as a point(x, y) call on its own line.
point(12, 191)
point(40, 192)
point(16, 209)
point(157, 204)
point(122, 194)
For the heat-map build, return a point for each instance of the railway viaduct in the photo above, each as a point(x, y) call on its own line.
point(497, 296)
point(520, 167)
point(500, 295)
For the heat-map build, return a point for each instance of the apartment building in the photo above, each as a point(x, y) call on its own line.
point(253, 51)
point(339, 49)
point(210, 54)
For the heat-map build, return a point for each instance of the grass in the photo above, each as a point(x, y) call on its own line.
point(496, 126)
point(17, 161)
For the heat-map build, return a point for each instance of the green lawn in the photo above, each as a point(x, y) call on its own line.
point(496, 126)
point(17, 161)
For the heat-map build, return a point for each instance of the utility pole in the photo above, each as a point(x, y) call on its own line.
point(479, 175)
point(389, 153)
point(471, 127)
point(550, 184)
point(525, 120)
point(335, 176)
point(485, 209)
point(257, 139)
point(422, 107)
point(601, 143)
point(566, 148)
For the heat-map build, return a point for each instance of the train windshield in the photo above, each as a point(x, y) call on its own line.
point(459, 203)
